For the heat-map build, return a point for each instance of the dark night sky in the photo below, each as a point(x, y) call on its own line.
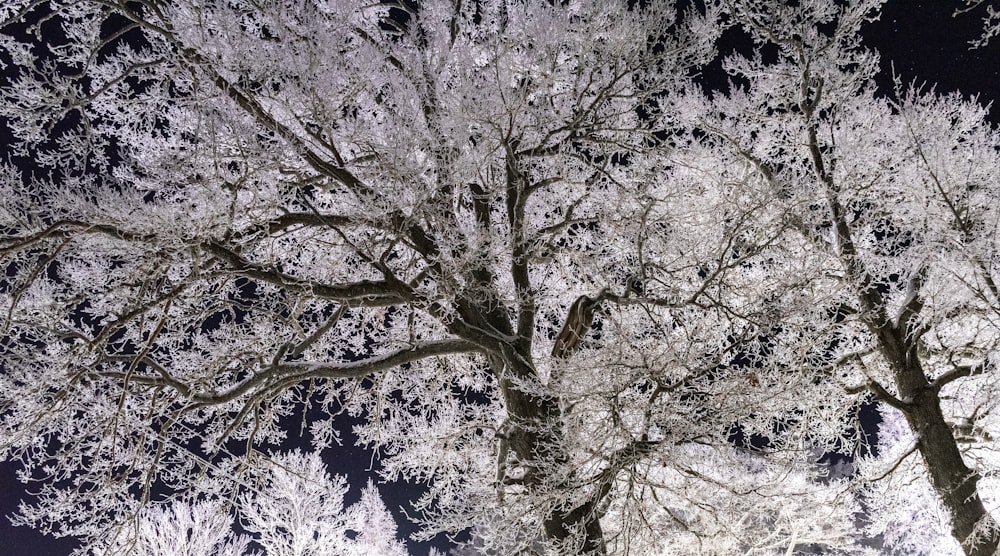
point(926, 45)
point(920, 40)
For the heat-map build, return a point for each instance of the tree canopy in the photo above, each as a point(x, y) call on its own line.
point(592, 305)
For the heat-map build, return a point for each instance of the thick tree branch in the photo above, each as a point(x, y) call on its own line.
point(307, 219)
point(366, 293)
point(912, 304)
point(957, 372)
point(517, 197)
point(164, 378)
point(66, 228)
point(283, 375)
point(883, 395)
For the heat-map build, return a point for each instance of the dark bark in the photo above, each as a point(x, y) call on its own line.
point(953, 481)
point(536, 442)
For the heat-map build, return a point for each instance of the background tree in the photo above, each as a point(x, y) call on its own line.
point(251, 216)
point(887, 209)
point(181, 529)
point(293, 508)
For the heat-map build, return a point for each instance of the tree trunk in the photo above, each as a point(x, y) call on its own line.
point(535, 439)
point(954, 483)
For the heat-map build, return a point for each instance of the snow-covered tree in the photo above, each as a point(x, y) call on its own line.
point(593, 308)
point(180, 529)
point(294, 508)
point(883, 216)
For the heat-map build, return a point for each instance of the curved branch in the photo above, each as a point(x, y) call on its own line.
point(57, 230)
point(883, 395)
point(366, 293)
point(283, 375)
point(307, 219)
point(957, 372)
point(165, 378)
